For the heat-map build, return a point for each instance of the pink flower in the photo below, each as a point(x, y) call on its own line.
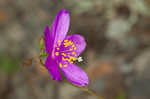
point(64, 50)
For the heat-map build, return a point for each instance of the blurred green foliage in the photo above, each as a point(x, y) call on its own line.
point(8, 64)
point(122, 95)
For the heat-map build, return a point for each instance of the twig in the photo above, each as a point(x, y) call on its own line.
point(86, 90)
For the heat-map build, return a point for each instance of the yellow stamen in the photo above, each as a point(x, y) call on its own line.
point(63, 54)
point(65, 40)
point(57, 48)
point(72, 45)
point(71, 61)
point(60, 65)
point(63, 59)
point(57, 53)
point(65, 43)
point(75, 48)
point(59, 44)
point(70, 42)
point(72, 58)
point(70, 49)
point(65, 65)
point(73, 53)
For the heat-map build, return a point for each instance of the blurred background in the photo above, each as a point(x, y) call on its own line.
point(117, 57)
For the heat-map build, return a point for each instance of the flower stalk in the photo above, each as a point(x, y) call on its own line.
point(89, 91)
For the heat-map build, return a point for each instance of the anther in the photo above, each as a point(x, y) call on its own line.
point(72, 45)
point(60, 65)
point(57, 48)
point(65, 65)
point(57, 53)
point(73, 53)
point(65, 40)
point(63, 54)
point(70, 49)
point(59, 44)
point(71, 61)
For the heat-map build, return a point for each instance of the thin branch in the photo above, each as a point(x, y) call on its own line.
point(86, 90)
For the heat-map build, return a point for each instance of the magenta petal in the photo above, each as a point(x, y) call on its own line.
point(79, 42)
point(60, 26)
point(47, 39)
point(75, 75)
point(53, 69)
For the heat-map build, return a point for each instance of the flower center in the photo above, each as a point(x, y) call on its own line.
point(66, 51)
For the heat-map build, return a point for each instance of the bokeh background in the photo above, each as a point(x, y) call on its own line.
point(117, 57)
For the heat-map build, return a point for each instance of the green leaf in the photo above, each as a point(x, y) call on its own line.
point(43, 55)
point(41, 43)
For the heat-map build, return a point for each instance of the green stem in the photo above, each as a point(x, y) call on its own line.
point(86, 90)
